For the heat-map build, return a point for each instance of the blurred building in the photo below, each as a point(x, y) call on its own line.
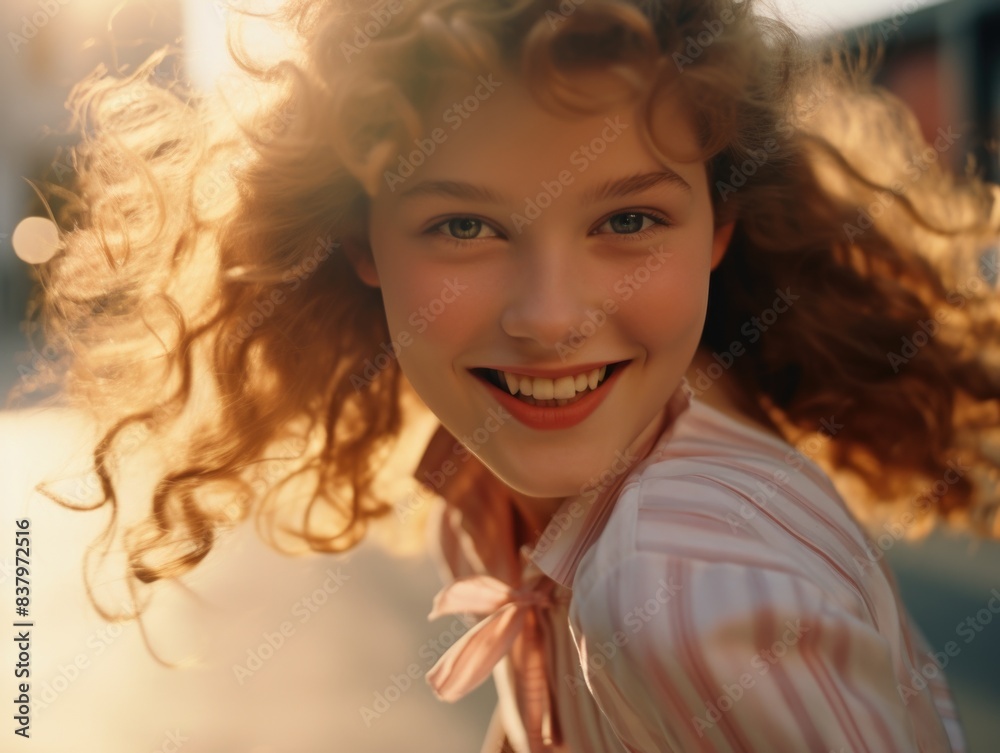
point(944, 61)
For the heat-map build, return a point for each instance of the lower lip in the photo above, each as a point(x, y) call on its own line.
point(559, 416)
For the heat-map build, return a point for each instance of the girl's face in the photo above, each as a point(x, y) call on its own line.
point(509, 239)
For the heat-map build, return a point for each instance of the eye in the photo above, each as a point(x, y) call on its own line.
point(630, 223)
point(465, 228)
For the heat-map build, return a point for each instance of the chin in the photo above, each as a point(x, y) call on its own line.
point(540, 483)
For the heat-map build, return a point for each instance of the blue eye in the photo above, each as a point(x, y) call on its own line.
point(630, 223)
point(465, 228)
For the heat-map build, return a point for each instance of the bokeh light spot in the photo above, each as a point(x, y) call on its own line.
point(36, 240)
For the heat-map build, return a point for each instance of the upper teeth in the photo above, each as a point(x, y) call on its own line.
point(562, 388)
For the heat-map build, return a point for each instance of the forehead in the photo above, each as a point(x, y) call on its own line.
point(492, 127)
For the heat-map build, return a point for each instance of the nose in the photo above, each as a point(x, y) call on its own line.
point(549, 294)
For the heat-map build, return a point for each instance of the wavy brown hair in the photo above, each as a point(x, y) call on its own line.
point(204, 295)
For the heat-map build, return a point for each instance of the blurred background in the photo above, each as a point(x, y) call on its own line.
point(298, 648)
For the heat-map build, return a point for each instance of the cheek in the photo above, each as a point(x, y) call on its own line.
point(433, 315)
point(404, 296)
point(411, 293)
point(426, 301)
point(669, 304)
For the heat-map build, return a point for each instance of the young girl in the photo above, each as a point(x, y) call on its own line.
point(655, 267)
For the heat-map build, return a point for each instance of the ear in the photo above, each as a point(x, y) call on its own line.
point(359, 254)
point(720, 242)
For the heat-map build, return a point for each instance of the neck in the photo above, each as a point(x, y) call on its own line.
point(534, 513)
point(727, 396)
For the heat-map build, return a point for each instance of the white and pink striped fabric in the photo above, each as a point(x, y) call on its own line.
point(717, 597)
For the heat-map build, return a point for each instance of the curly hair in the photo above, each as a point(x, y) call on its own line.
point(204, 293)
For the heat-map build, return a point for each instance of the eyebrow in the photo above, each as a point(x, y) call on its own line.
point(616, 189)
point(612, 189)
point(454, 189)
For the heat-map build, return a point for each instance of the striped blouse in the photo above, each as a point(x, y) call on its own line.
point(716, 595)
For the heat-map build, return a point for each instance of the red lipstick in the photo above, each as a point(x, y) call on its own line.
point(559, 416)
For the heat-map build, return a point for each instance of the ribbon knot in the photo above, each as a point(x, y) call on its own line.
point(470, 660)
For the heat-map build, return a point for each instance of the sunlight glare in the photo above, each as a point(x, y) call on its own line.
point(205, 22)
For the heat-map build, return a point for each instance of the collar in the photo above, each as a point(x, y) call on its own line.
point(511, 623)
point(581, 519)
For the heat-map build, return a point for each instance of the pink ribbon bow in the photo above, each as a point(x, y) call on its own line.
point(470, 660)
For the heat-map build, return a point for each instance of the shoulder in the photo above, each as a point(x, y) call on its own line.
point(683, 653)
point(677, 616)
point(731, 598)
point(702, 543)
point(749, 510)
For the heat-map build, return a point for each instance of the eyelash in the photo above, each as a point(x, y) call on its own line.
point(436, 229)
point(658, 219)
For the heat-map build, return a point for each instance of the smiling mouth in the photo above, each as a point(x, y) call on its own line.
point(548, 393)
